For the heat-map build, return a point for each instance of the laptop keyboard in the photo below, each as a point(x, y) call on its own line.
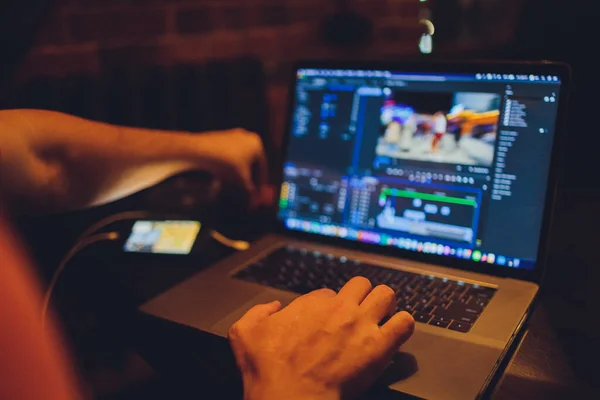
point(431, 300)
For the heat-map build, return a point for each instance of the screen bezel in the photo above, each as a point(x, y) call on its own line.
point(537, 68)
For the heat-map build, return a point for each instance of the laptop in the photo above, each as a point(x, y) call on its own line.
point(437, 179)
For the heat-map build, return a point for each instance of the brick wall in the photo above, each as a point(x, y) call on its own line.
point(93, 36)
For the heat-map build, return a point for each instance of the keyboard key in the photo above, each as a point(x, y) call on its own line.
point(422, 317)
point(406, 297)
point(482, 292)
point(382, 277)
point(448, 296)
point(460, 326)
point(418, 307)
point(399, 279)
point(439, 323)
point(435, 283)
point(459, 312)
point(445, 286)
point(409, 307)
point(465, 308)
point(470, 319)
point(427, 309)
point(414, 280)
point(442, 318)
point(370, 274)
point(462, 291)
point(436, 301)
point(481, 303)
point(443, 305)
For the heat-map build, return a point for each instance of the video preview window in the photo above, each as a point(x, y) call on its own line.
point(453, 128)
point(447, 214)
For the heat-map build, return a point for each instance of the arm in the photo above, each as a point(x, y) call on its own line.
point(34, 365)
point(52, 162)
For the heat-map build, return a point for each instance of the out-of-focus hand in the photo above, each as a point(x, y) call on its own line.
point(237, 155)
point(322, 346)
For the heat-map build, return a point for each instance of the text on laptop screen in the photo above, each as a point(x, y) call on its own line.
point(447, 164)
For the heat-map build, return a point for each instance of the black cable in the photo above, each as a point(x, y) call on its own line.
point(80, 245)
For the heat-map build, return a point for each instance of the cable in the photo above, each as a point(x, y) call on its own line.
point(84, 240)
point(74, 250)
point(239, 245)
point(112, 219)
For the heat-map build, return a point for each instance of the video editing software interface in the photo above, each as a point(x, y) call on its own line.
point(448, 164)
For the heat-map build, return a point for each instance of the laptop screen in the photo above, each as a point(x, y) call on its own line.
point(449, 164)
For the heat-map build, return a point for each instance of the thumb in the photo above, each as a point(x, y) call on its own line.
point(252, 318)
point(257, 314)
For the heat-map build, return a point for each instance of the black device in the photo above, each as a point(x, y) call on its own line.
point(162, 240)
point(169, 237)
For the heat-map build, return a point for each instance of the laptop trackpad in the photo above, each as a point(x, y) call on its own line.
point(266, 296)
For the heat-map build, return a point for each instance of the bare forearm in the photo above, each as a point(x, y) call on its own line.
point(52, 161)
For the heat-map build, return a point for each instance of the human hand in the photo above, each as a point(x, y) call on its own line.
point(322, 346)
point(236, 155)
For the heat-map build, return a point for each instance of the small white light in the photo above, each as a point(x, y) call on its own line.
point(426, 44)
